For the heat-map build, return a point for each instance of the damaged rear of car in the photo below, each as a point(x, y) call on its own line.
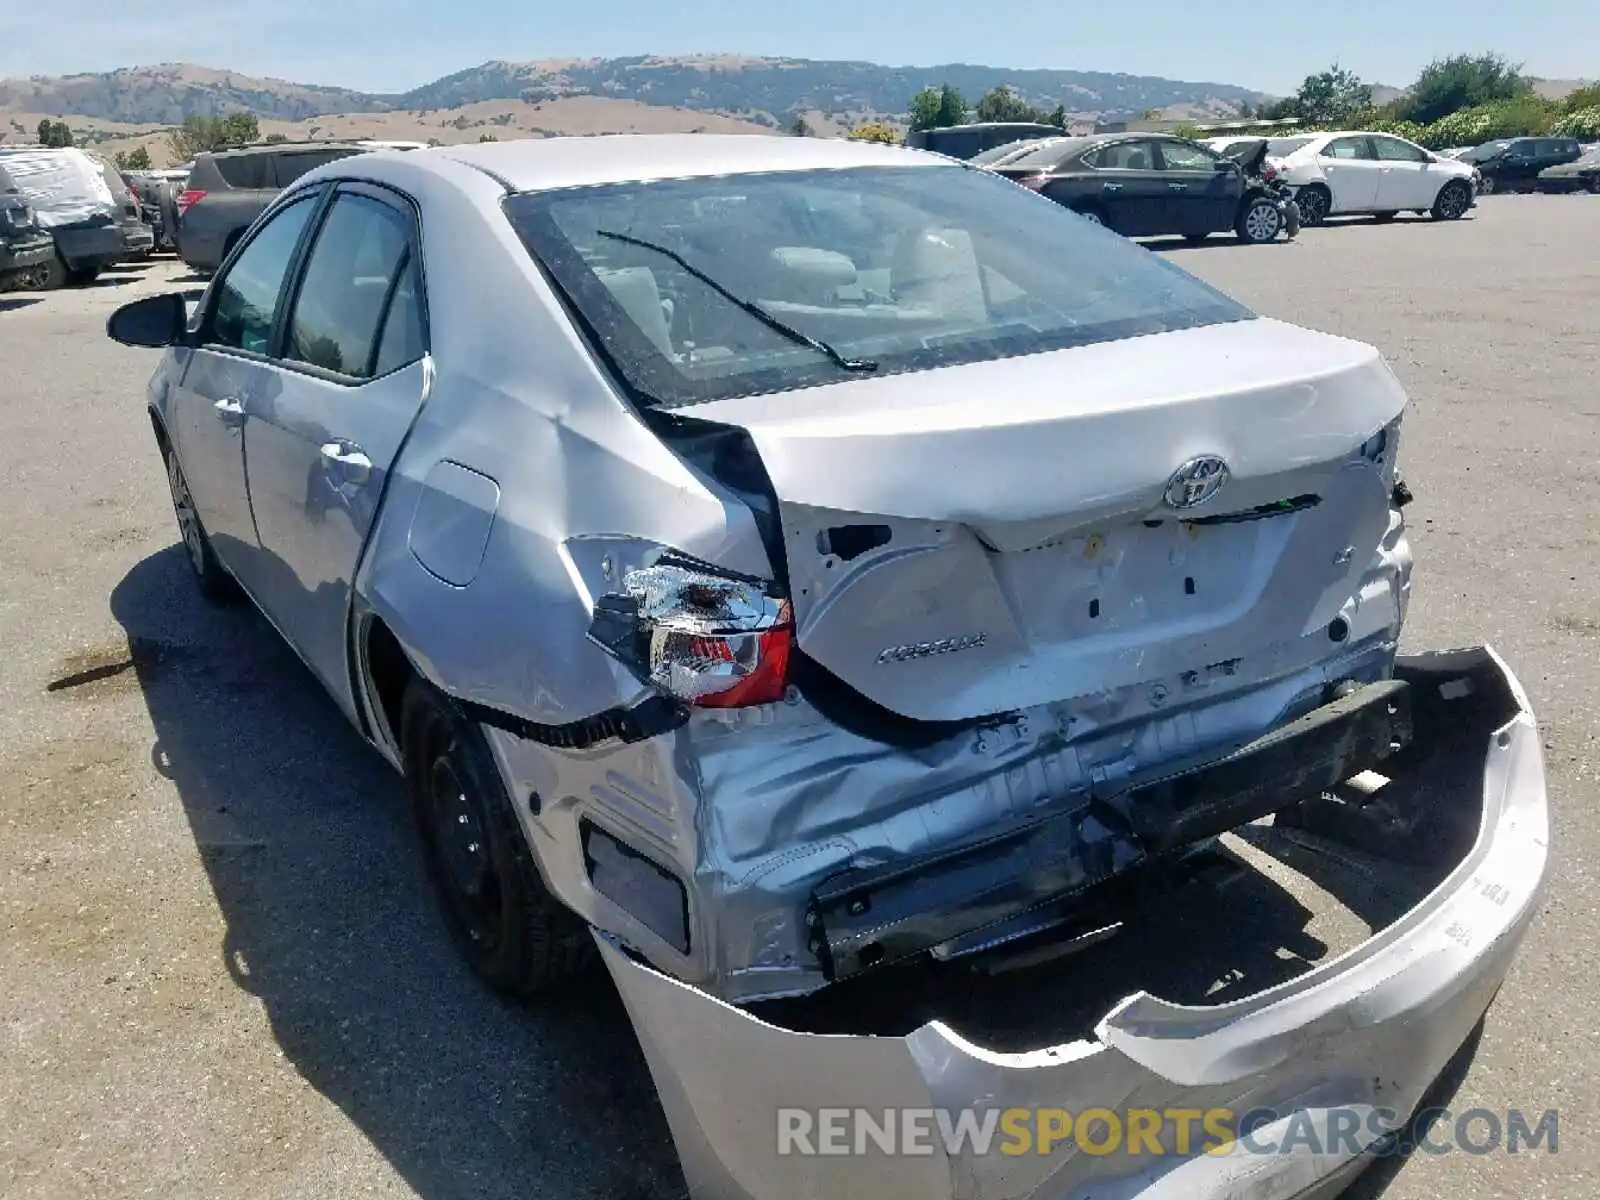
point(864, 600)
point(1067, 568)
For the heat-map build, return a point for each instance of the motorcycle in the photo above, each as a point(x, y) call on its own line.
point(1261, 179)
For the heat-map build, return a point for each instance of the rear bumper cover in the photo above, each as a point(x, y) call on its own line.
point(1371, 1028)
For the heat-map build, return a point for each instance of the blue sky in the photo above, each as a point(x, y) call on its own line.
point(392, 45)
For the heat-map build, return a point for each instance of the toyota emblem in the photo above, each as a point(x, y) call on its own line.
point(1196, 481)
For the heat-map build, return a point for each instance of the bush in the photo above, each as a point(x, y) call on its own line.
point(1583, 124)
point(875, 131)
point(1521, 117)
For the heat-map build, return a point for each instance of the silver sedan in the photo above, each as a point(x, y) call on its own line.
point(807, 569)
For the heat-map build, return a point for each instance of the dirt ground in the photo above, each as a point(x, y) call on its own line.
point(220, 974)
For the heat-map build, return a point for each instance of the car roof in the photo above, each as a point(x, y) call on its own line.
point(538, 164)
point(280, 148)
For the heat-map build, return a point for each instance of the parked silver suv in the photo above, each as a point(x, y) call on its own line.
point(228, 189)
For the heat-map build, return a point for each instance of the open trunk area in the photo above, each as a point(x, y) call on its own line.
point(1255, 908)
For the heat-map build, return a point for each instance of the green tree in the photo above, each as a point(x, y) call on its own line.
point(54, 134)
point(938, 108)
point(274, 139)
point(199, 134)
point(1058, 117)
point(800, 126)
point(1004, 104)
point(1331, 97)
point(137, 159)
point(1449, 85)
point(487, 137)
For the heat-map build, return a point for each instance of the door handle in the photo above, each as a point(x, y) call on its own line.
point(230, 411)
point(346, 463)
point(1112, 187)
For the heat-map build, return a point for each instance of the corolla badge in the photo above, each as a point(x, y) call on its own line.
point(1196, 481)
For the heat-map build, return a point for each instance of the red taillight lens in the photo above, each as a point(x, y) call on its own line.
point(711, 641)
point(188, 199)
point(763, 678)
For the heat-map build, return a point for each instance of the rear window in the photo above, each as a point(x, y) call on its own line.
point(1048, 155)
point(908, 268)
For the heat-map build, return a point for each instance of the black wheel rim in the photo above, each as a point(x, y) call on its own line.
point(1312, 207)
point(1453, 203)
point(457, 831)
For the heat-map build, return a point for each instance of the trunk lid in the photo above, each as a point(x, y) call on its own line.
point(994, 536)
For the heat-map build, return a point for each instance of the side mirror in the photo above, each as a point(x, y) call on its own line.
point(154, 321)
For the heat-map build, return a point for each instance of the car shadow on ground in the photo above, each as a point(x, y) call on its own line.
point(12, 303)
point(310, 852)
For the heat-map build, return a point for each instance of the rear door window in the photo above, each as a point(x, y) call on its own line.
point(1184, 156)
point(357, 267)
point(243, 170)
point(1348, 148)
point(248, 295)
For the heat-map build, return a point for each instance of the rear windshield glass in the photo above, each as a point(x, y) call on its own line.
point(1283, 147)
point(1048, 154)
point(1006, 151)
point(910, 268)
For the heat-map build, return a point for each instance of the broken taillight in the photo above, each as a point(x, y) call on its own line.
point(189, 198)
point(711, 640)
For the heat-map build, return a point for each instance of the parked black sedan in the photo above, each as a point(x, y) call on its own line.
point(1582, 175)
point(1147, 185)
point(1515, 164)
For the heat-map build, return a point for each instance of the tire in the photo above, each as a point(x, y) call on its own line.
point(515, 936)
point(1384, 217)
point(83, 276)
point(1594, 185)
point(214, 583)
point(1314, 201)
point(1452, 202)
point(1487, 187)
point(49, 276)
point(1259, 221)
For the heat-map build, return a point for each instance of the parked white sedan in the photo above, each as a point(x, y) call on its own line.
point(1338, 174)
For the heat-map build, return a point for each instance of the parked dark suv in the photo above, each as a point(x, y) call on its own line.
point(228, 189)
point(968, 141)
point(1513, 164)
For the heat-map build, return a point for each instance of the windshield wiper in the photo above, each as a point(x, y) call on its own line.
point(749, 306)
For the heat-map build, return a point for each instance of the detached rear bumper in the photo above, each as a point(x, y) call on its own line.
point(1368, 1029)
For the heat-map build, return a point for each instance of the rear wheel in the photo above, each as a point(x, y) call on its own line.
point(1314, 201)
point(1259, 221)
point(1454, 199)
point(50, 275)
point(214, 583)
point(516, 936)
point(1487, 186)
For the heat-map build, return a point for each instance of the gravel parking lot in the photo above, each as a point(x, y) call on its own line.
point(223, 976)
